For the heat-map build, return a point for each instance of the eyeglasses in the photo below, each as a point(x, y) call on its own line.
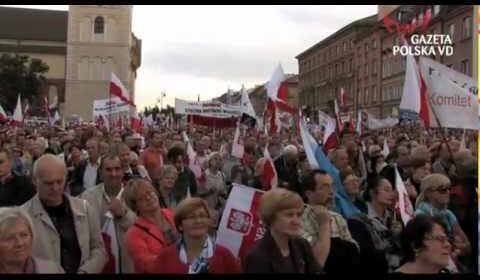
point(440, 238)
point(443, 189)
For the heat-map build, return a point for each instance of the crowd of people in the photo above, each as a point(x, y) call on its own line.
point(61, 187)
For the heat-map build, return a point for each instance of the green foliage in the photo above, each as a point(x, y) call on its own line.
point(20, 74)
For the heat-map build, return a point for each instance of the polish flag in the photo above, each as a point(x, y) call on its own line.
point(277, 93)
point(17, 119)
point(238, 149)
point(330, 135)
point(414, 97)
point(403, 205)
point(241, 227)
point(269, 177)
point(193, 162)
point(3, 115)
point(337, 116)
point(117, 89)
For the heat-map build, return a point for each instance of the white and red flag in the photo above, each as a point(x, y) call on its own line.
point(330, 135)
point(269, 176)
point(193, 162)
point(337, 116)
point(118, 89)
point(135, 120)
point(414, 97)
point(238, 148)
point(240, 226)
point(404, 205)
point(277, 94)
point(17, 119)
point(3, 115)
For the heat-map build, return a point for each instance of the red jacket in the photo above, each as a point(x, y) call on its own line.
point(142, 246)
point(168, 262)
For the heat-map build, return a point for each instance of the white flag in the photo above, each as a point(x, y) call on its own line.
point(240, 226)
point(411, 87)
point(17, 114)
point(193, 162)
point(109, 233)
point(386, 149)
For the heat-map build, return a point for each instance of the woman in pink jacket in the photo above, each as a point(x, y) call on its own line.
point(154, 228)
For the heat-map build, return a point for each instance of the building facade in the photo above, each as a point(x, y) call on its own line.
point(375, 81)
point(81, 46)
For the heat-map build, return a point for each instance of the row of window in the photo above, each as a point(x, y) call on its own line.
point(392, 93)
point(326, 55)
point(393, 65)
point(467, 27)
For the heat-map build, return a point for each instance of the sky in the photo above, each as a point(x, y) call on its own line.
point(205, 50)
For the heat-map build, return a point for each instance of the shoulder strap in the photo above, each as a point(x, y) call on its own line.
point(145, 229)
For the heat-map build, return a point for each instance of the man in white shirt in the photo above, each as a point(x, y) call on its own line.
point(85, 175)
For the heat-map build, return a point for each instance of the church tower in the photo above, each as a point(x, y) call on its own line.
point(99, 41)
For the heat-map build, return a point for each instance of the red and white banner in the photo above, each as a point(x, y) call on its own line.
point(240, 226)
point(118, 89)
point(453, 96)
point(404, 205)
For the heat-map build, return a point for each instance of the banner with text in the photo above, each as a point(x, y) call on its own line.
point(107, 107)
point(206, 108)
point(452, 95)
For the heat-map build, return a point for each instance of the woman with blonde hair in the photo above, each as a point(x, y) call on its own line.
point(281, 250)
point(433, 201)
point(154, 228)
point(165, 183)
point(16, 238)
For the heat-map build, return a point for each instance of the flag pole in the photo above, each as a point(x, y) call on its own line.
point(444, 138)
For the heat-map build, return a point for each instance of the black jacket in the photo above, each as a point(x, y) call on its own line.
point(76, 182)
point(185, 180)
point(287, 174)
point(17, 190)
point(265, 257)
point(371, 259)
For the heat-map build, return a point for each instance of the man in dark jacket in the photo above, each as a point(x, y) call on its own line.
point(14, 189)
point(86, 174)
point(186, 181)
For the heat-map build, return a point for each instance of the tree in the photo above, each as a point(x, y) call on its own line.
point(20, 74)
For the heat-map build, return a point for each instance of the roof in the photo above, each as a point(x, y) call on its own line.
point(33, 24)
point(361, 22)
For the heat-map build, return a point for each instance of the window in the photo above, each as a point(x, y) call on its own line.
point(366, 69)
point(338, 50)
point(374, 44)
point(344, 46)
point(366, 98)
point(465, 67)
point(350, 65)
point(366, 47)
point(374, 94)
point(436, 10)
point(337, 71)
point(451, 31)
point(344, 68)
point(359, 97)
point(99, 26)
point(374, 67)
point(467, 27)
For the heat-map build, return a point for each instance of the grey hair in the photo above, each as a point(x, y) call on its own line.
point(290, 149)
point(9, 214)
point(40, 160)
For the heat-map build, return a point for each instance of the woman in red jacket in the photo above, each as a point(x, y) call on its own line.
point(195, 252)
point(154, 228)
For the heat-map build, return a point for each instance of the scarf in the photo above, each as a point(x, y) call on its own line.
point(200, 264)
point(443, 214)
